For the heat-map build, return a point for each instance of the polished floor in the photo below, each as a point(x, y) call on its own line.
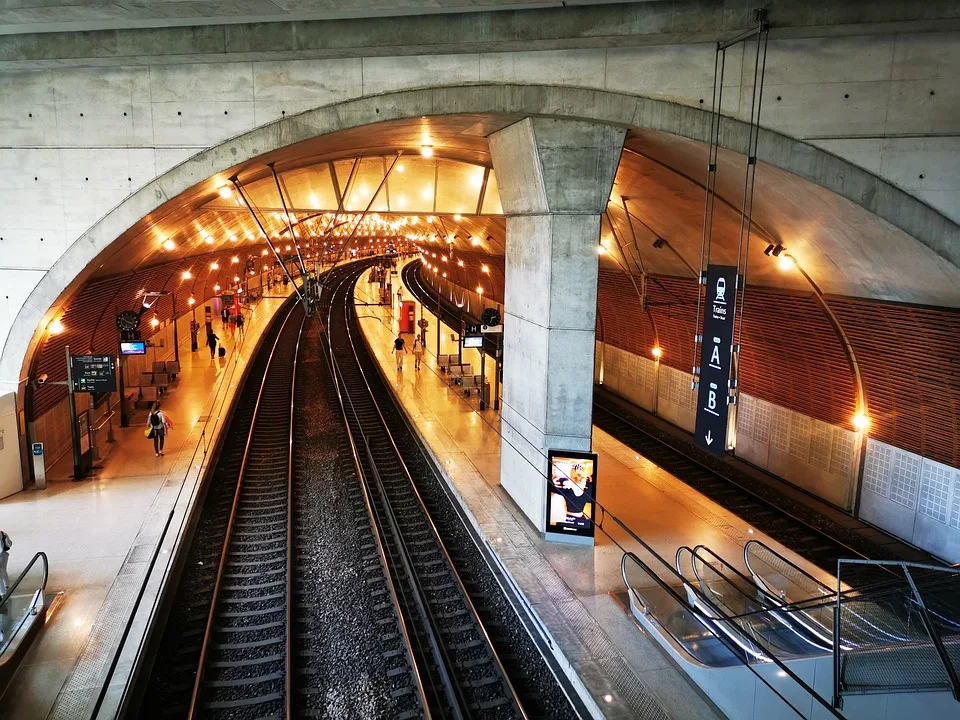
point(99, 533)
point(572, 588)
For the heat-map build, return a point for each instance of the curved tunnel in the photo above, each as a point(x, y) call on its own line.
point(894, 290)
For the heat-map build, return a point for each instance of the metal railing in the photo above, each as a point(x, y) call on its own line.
point(31, 607)
point(918, 646)
point(665, 600)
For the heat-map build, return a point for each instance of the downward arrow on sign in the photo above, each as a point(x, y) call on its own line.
point(709, 437)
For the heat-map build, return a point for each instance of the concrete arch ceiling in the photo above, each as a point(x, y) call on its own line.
point(854, 234)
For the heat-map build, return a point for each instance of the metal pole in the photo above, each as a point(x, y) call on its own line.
point(74, 421)
point(176, 334)
point(483, 377)
point(438, 316)
point(496, 377)
point(123, 392)
point(460, 344)
point(236, 182)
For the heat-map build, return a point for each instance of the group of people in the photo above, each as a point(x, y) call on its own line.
point(400, 349)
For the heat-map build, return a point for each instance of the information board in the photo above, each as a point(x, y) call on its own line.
point(571, 490)
point(715, 358)
point(94, 373)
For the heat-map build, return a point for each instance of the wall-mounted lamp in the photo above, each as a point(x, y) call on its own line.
point(657, 352)
point(861, 422)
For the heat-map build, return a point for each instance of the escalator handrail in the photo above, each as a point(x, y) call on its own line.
point(759, 543)
point(708, 622)
point(768, 603)
point(42, 556)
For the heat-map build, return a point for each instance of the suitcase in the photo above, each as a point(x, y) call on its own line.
point(222, 351)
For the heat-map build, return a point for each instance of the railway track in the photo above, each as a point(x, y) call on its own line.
point(818, 545)
point(457, 668)
point(246, 653)
point(315, 584)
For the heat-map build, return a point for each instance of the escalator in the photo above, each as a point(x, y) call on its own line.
point(768, 632)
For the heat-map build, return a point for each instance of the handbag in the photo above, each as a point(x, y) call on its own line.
point(148, 433)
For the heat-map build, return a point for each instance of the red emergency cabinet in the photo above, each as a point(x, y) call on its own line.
point(408, 317)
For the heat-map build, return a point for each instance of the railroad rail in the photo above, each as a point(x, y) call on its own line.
point(246, 653)
point(458, 669)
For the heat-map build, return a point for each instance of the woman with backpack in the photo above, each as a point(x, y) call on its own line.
point(157, 426)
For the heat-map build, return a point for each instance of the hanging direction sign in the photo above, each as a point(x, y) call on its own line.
point(715, 358)
point(94, 373)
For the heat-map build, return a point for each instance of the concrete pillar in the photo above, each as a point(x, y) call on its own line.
point(555, 178)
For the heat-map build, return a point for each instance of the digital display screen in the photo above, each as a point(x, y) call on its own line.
point(138, 347)
point(473, 341)
point(571, 490)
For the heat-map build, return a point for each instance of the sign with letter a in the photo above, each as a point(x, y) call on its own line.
point(715, 358)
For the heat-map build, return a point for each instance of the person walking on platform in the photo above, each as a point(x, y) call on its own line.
point(225, 316)
point(240, 322)
point(417, 352)
point(212, 343)
point(400, 349)
point(158, 424)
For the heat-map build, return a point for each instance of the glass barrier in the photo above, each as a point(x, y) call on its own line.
point(22, 601)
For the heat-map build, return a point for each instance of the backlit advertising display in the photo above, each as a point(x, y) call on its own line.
point(571, 489)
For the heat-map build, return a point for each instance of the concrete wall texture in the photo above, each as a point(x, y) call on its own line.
point(74, 142)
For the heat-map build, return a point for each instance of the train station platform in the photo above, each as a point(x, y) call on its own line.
point(101, 533)
point(575, 591)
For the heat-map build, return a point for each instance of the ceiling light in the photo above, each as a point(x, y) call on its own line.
point(460, 263)
point(399, 168)
point(216, 288)
point(657, 352)
point(209, 240)
point(226, 191)
point(484, 268)
point(233, 238)
point(426, 151)
point(191, 300)
point(154, 321)
point(169, 245)
point(263, 252)
point(458, 217)
point(214, 266)
point(475, 241)
point(479, 290)
point(234, 259)
point(56, 327)
point(861, 421)
point(186, 275)
point(786, 262)
point(236, 278)
point(601, 250)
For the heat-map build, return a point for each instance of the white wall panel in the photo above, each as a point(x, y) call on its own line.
point(912, 497)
